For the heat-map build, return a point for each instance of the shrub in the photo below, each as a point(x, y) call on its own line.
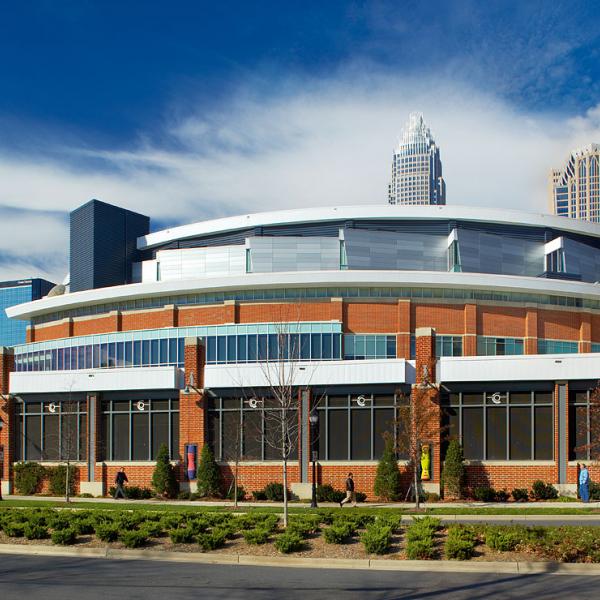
point(14, 529)
point(502, 496)
point(152, 528)
point(213, 540)
point(183, 535)
point(338, 534)
point(289, 542)
point(594, 491)
point(259, 495)
point(241, 492)
point(460, 543)
point(376, 539)
point(256, 536)
point(28, 477)
point(83, 526)
point(164, 481)
point(543, 491)
point(387, 479)
point(432, 497)
point(454, 470)
point(422, 528)
point(502, 539)
point(390, 520)
point(420, 549)
point(520, 495)
point(136, 492)
point(274, 491)
point(184, 496)
point(134, 538)
point(64, 537)
point(107, 532)
point(57, 479)
point(327, 493)
point(484, 494)
point(208, 474)
point(35, 532)
point(304, 524)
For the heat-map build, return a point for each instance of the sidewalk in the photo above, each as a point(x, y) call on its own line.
point(396, 505)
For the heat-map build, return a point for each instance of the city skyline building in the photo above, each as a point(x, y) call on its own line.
point(574, 190)
point(417, 166)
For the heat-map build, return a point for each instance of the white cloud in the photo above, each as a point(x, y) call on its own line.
point(308, 143)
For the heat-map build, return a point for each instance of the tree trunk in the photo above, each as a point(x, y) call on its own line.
point(235, 484)
point(285, 498)
point(67, 490)
point(416, 483)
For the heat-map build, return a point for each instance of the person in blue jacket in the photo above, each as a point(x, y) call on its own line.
point(584, 484)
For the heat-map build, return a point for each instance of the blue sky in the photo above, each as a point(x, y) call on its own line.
point(187, 110)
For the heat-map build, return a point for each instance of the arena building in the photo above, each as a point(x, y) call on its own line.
point(495, 313)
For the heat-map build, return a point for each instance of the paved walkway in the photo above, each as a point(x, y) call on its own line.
point(396, 505)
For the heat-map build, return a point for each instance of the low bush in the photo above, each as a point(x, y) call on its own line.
point(57, 479)
point(213, 540)
point(133, 539)
point(377, 539)
point(420, 549)
point(107, 532)
point(14, 529)
point(390, 520)
point(432, 497)
point(64, 537)
point(184, 496)
point(259, 495)
point(152, 528)
point(594, 491)
point(460, 543)
point(338, 534)
point(543, 491)
point(289, 542)
point(423, 528)
point(520, 495)
point(502, 496)
point(568, 544)
point(484, 494)
point(241, 493)
point(184, 535)
point(503, 539)
point(35, 532)
point(256, 536)
point(28, 477)
point(304, 525)
point(82, 526)
point(327, 493)
point(274, 491)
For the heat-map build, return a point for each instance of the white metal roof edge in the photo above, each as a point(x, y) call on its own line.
point(307, 279)
point(362, 212)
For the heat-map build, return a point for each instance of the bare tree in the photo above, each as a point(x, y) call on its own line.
point(587, 424)
point(232, 451)
point(417, 424)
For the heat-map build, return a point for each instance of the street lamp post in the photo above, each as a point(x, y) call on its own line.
point(314, 420)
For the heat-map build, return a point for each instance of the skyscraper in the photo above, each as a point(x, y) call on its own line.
point(417, 168)
point(574, 191)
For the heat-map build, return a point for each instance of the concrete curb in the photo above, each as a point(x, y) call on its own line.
point(444, 566)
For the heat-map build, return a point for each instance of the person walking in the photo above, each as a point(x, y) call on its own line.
point(120, 481)
point(584, 484)
point(350, 493)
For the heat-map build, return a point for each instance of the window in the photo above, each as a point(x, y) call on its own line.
point(361, 347)
point(448, 345)
point(584, 425)
point(493, 346)
point(135, 428)
point(51, 428)
point(241, 428)
point(557, 347)
point(501, 425)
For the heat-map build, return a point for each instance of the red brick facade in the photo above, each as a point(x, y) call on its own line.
point(398, 317)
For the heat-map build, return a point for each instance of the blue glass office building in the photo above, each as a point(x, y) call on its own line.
point(16, 292)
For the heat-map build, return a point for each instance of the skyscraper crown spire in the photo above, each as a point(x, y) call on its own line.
point(417, 167)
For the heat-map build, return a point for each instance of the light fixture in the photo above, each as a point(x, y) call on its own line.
point(191, 386)
point(313, 418)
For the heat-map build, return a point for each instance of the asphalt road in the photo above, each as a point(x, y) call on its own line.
point(54, 578)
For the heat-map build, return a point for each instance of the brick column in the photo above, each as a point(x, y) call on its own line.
point(470, 330)
point(531, 330)
point(7, 418)
point(428, 412)
point(230, 312)
point(585, 332)
point(336, 312)
point(192, 409)
point(403, 332)
point(96, 449)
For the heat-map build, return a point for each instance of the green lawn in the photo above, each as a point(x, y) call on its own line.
point(297, 508)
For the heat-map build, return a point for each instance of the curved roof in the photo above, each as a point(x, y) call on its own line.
point(367, 212)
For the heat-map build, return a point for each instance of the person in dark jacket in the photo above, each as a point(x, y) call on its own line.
point(350, 494)
point(120, 481)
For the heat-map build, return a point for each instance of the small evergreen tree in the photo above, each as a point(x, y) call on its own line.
point(454, 471)
point(387, 479)
point(164, 481)
point(209, 474)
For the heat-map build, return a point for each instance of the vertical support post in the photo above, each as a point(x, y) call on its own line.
point(7, 418)
point(304, 435)
point(562, 450)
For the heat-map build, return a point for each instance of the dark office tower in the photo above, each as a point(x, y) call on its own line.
point(103, 245)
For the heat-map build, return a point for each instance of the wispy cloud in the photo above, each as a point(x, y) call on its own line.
point(306, 143)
